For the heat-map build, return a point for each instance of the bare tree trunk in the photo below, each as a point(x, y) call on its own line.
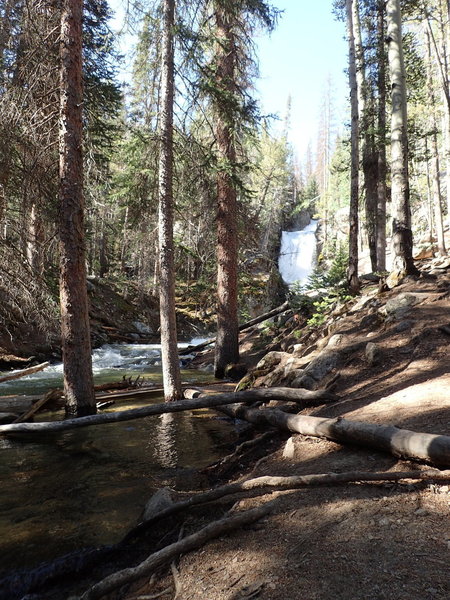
point(75, 335)
point(366, 128)
point(437, 196)
point(402, 234)
point(381, 143)
point(352, 275)
point(169, 349)
point(227, 345)
point(429, 196)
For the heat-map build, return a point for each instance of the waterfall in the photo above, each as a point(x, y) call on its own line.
point(298, 254)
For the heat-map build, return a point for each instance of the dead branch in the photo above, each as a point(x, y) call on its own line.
point(191, 542)
point(155, 409)
point(247, 325)
point(24, 372)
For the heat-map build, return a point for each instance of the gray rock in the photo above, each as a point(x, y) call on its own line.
point(403, 326)
point(401, 302)
point(335, 340)
point(373, 353)
point(271, 359)
point(370, 321)
point(323, 364)
point(161, 499)
point(142, 328)
point(305, 382)
point(289, 451)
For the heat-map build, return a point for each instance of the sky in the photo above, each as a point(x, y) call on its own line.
point(306, 50)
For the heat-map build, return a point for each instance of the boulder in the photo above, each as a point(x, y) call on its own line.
point(373, 353)
point(161, 499)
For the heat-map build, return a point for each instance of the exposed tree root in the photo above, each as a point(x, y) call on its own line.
point(191, 542)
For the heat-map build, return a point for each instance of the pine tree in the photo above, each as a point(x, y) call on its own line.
point(75, 333)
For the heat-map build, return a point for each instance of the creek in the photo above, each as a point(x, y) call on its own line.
point(87, 487)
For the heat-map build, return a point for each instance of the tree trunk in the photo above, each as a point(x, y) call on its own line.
point(169, 348)
point(388, 438)
point(381, 142)
point(75, 335)
point(437, 196)
point(352, 275)
point(402, 234)
point(227, 345)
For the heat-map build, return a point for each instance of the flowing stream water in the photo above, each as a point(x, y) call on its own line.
point(87, 487)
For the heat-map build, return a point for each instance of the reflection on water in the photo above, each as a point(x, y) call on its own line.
point(88, 486)
point(165, 441)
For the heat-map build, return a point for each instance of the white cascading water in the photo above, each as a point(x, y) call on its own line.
point(298, 254)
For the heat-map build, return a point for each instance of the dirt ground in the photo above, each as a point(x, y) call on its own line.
point(353, 541)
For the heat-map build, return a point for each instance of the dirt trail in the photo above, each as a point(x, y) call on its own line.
point(355, 541)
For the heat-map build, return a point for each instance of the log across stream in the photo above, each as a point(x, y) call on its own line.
point(76, 489)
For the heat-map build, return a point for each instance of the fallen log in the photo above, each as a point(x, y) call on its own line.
point(299, 395)
point(399, 442)
point(247, 325)
point(165, 555)
point(147, 411)
point(24, 372)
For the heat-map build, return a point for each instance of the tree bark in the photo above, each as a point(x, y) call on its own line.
point(402, 238)
point(169, 348)
point(381, 141)
point(352, 274)
point(399, 442)
point(437, 195)
point(227, 344)
point(75, 334)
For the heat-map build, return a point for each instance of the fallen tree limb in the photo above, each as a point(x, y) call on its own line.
point(191, 542)
point(299, 395)
point(24, 372)
point(247, 325)
point(147, 411)
point(399, 442)
point(270, 484)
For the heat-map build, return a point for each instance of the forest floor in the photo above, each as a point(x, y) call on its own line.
point(352, 541)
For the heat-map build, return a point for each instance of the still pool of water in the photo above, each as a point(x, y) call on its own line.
point(87, 487)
